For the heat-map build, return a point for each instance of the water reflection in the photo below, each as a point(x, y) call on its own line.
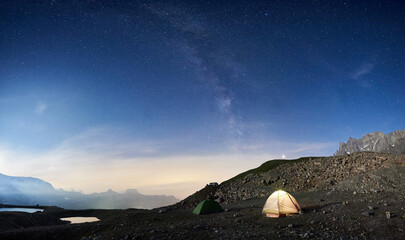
point(28, 210)
point(73, 220)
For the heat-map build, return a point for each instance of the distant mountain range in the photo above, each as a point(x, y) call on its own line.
point(33, 191)
point(375, 142)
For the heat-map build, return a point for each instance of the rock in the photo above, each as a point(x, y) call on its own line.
point(375, 142)
point(198, 227)
point(388, 214)
point(163, 210)
point(291, 225)
point(304, 235)
point(371, 208)
point(367, 213)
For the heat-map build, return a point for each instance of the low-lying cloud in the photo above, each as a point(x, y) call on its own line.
point(95, 162)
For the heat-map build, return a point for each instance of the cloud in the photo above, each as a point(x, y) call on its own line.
point(40, 107)
point(102, 158)
point(362, 70)
point(292, 149)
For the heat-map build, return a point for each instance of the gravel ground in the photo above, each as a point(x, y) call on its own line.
point(327, 215)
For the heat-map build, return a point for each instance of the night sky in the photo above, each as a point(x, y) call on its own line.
point(165, 96)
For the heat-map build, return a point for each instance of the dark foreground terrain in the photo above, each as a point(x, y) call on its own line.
point(359, 196)
point(327, 215)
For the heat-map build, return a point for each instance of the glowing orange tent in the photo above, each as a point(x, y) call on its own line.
point(280, 203)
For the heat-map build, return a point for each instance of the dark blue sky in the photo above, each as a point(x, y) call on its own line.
point(200, 77)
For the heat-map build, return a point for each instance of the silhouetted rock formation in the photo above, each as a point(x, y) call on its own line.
point(375, 142)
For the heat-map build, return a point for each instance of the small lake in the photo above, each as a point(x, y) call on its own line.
point(74, 220)
point(28, 210)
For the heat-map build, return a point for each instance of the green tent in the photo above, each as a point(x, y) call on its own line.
point(207, 207)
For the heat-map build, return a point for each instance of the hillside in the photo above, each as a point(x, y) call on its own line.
point(364, 172)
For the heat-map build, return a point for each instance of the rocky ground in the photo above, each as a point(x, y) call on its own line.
point(361, 196)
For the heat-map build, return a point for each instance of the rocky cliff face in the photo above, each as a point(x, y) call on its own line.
point(375, 142)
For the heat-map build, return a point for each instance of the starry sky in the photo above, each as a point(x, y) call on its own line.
point(165, 96)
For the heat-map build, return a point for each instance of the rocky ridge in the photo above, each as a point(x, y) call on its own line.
point(364, 172)
point(393, 142)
